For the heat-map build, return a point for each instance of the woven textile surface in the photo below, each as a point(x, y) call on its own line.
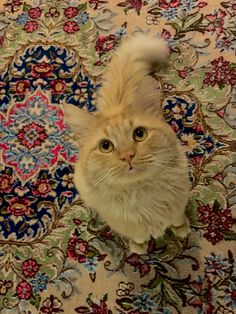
point(56, 256)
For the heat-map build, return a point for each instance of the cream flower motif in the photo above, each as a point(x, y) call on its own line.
point(189, 142)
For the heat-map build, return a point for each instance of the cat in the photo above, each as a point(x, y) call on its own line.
point(132, 168)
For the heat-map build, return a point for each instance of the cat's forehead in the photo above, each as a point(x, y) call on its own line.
point(118, 124)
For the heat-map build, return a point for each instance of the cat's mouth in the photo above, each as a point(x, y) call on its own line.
point(131, 168)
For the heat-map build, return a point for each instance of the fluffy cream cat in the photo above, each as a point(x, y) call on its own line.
point(132, 169)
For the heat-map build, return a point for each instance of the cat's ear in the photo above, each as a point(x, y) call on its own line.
point(78, 119)
point(148, 97)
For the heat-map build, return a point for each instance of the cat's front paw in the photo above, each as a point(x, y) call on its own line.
point(139, 248)
point(182, 231)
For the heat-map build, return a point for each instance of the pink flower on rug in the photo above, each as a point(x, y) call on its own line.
point(71, 12)
point(35, 13)
point(31, 26)
point(182, 73)
point(165, 34)
point(165, 4)
point(30, 268)
point(24, 290)
point(202, 4)
point(197, 160)
point(71, 27)
point(216, 22)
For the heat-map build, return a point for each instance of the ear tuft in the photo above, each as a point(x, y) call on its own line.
point(79, 120)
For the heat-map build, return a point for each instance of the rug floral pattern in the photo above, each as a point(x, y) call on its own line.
point(56, 256)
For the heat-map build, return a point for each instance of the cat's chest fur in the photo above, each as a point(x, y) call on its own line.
point(132, 202)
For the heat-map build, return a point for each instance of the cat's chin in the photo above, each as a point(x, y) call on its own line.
point(130, 175)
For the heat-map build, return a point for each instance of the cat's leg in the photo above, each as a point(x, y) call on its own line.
point(181, 226)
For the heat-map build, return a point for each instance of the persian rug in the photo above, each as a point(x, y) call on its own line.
point(56, 256)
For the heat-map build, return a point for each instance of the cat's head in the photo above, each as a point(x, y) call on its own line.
point(127, 146)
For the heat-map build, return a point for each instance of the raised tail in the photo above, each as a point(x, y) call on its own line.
point(132, 61)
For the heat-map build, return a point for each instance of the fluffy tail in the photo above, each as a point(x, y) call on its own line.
point(132, 61)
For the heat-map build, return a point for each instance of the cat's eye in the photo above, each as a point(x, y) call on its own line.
point(140, 134)
point(106, 146)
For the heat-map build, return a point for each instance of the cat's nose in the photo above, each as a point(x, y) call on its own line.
point(127, 156)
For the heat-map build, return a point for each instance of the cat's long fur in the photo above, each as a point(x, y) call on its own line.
point(153, 198)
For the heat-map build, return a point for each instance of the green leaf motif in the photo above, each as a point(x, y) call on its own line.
point(26, 7)
point(176, 26)
point(82, 7)
point(229, 235)
point(35, 300)
point(125, 303)
point(216, 205)
point(171, 296)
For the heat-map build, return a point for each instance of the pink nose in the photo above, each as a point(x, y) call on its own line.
point(128, 156)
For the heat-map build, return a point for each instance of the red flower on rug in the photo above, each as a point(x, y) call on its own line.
point(222, 73)
point(30, 268)
point(43, 188)
point(132, 4)
point(71, 12)
point(217, 222)
point(213, 235)
point(32, 135)
point(165, 4)
point(136, 261)
point(105, 43)
point(42, 69)
point(77, 249)
point(6, 183)
point(31, 26)
point(1, 40)
point(19, 206)
point(35, 13)
point(58, 86)
point(21, 87)
point(202, 297)
point(216, 22)
point(94, 307)
point(71, 27)
point(24, 290)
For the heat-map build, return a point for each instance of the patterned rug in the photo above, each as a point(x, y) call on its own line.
point(55, 255)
